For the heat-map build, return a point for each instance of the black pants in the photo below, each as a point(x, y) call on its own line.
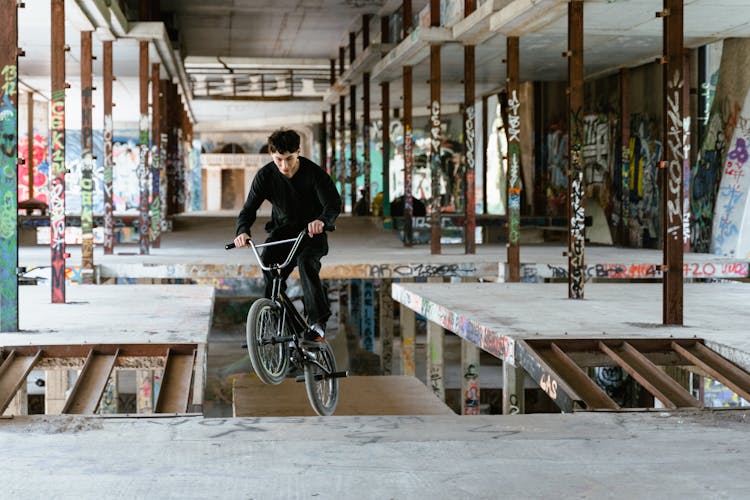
point(307, 259)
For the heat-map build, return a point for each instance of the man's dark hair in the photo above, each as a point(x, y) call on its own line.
point(283, 141)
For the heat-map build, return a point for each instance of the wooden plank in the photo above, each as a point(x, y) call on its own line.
point(13, 373)
point(174, 394)
point(90, 384)
point(653, 379)
point(593, 395)
point(717, 367)
point(372, 395)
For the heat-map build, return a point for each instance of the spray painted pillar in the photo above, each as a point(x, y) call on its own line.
point(576, 228)
point(469, 139)
point(385, 110)
point(57, 152)
point(143, 222)
point(366, 194)
point(513, 179)
point(9, 164)
point(87, 162)
point(408, 156)
point(109, 220)
point(156, 166)
point(674, 155)
point(352, 128)
point(435, 132)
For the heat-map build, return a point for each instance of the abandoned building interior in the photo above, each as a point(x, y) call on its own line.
point(538, 279)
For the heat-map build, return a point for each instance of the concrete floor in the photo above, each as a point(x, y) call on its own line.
point(590, 455)
point(581, 455)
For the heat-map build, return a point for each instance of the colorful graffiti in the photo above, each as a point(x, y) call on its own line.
point(514, 170)
point(108, 186)
point(57, 195)
point(41, 167)
point(8, 200)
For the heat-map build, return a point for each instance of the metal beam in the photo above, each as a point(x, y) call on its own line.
point(13, 373)
point(674, 155)
point(591, 394)
point(623, 229)
point(513, 180)
point(109, 219)
point(352, 129)
point(87, 162)
point(332, 166)
point(385, 110)
point(717, 367)
point(651, 377)
point(57, 152)
point(576, 227)
point(174, 394)
point(549, 381)
point(143, 222)
point(9, 165)
point(90, 384)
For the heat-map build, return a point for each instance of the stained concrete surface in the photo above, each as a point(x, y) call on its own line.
point(585, 455)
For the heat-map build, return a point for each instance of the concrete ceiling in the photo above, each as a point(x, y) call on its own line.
point(618, 33)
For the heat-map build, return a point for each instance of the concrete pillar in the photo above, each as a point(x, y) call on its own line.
point(144, 398)
point(56, 386)
point(386, 326)
point(435, 363)
point(513, 396)
point(408, 340)
point(213, 189)
point(469, 378)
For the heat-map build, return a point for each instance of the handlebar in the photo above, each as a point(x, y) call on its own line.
point(296, 241)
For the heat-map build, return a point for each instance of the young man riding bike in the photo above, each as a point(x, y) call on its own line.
point(302, 196)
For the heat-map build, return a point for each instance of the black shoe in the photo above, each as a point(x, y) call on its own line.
point(315, 335)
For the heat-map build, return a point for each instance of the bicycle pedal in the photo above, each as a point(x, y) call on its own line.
point(342, 374)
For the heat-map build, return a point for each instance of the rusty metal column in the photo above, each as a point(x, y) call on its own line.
point(435, 134)
point(9, 163)
point(109, 220)
point(57, 152)
point(625, 152)
point(352, 128)
point(366, 119)
point(87, 162)
point(513, 181)
point(172, 148)
point(156, 166)
point(408, 158)
point(408, 211)
point(163, 139)
point(342, 119)
point(385, 109)
point(333, 166)
point(576, 226)
point(143, 223)
point(470, 201)
point(674, 154)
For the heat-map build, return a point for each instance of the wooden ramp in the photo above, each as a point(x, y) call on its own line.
point(375, 395)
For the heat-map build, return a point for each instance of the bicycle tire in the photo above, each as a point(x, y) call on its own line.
point(322, 391)
point(270, 361)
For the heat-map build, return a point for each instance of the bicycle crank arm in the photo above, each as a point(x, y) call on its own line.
point(278, 340)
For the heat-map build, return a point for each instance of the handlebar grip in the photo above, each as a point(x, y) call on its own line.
point(230, 246)
point(329, 227)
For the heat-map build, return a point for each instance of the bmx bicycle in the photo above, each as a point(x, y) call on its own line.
point(275, 332)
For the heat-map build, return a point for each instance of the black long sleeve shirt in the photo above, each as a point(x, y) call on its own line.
point(309, 195)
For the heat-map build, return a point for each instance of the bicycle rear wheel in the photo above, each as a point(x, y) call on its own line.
point(270, 360)
point(322, 389)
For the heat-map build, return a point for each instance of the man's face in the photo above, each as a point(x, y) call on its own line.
point(287, 163)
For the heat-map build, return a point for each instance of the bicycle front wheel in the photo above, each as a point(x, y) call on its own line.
point(322, 389)
point(270, 360)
